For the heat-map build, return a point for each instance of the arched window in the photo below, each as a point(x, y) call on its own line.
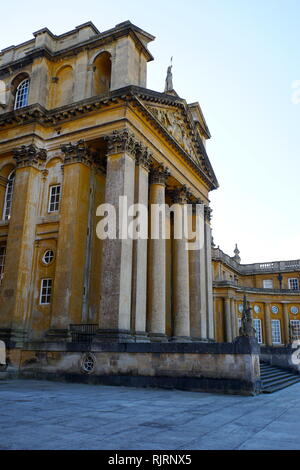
point(21, 99)
point(8, 196)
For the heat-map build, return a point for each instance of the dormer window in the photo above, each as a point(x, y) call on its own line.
point(21, 99)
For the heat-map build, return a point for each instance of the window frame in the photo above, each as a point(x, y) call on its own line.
point(48, 294)
point(22, 100)
point(56, 202)
point(258, 334)
point(293, 279)
point(275, 321)
point(6, 214)
point(267, 280)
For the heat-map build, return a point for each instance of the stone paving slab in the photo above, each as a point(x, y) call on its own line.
point(55, 415)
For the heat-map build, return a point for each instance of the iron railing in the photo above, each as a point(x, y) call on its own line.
point(83, 333)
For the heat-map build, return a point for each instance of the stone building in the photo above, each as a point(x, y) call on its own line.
point(79, 128)
point(273, 290)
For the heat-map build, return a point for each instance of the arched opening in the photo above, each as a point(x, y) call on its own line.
point(2, 93)
point(8, 196)
point(102, 73)
point(20, 90)
point(62, 89)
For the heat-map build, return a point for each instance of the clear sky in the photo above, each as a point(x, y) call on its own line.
point(239, 59)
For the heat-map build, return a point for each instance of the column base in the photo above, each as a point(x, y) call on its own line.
point(180, 339)
point(158, 337)
point(141, 337)
point(113, 336)
point(58, 334)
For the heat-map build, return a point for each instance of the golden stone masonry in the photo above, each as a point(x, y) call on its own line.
point(79, 128)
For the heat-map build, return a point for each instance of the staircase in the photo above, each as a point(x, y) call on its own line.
point(274, 378)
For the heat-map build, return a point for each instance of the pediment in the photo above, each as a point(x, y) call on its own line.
point(179, 124)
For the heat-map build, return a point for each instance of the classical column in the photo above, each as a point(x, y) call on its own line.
point(116, 278)
point(268, 324)
point(198, 281)
point(209, 281)
point(228, 322)
point(233, 319)
point(17, 285)
point(181, 301)
point(156, 319)
point(139, 268)
point(286, 322)
point(71, 248)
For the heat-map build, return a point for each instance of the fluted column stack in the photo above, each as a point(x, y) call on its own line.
point(156, 322)
point(181, 301)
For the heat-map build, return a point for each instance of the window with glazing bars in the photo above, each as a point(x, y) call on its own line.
point(295, 329)
point(8, 196)
point(294, 284)
point(54, 198)
point(45, 294)
point(276, 332)
point(257, 327)
point(21, 99)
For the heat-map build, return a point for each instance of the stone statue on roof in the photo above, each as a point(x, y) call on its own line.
point(169, 78)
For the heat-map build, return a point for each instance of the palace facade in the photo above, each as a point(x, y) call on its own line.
point(79, 128)
point(273, 290)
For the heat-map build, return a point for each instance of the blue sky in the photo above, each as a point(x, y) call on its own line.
point(239, 59)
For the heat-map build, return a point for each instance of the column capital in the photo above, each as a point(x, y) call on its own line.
point(207, 213)
point(29, 155)
point(180, 195)
point(159, 174)
point(120, 141)
point(77, 153)
point(143, 156)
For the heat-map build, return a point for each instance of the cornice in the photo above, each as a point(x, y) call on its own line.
point(132, 94)
point(101, 39)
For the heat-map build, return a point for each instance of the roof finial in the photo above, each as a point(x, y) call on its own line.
point(169, 78)
point(237, 254)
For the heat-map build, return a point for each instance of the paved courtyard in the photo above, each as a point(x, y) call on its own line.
point(52, 415)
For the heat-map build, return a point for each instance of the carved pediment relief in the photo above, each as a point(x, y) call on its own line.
point(172, 120)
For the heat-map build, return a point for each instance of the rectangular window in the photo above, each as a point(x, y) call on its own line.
point(54, 198)
point(257, 327)
point(276, 332)
point(45, 294)
point(295, 329)
point(2, 262)
point(267, 284)
point(294, 284)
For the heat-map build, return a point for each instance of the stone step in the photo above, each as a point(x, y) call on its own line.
point(274, 375)
point(275, 378)
point(276, 387)
point(279, 380)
